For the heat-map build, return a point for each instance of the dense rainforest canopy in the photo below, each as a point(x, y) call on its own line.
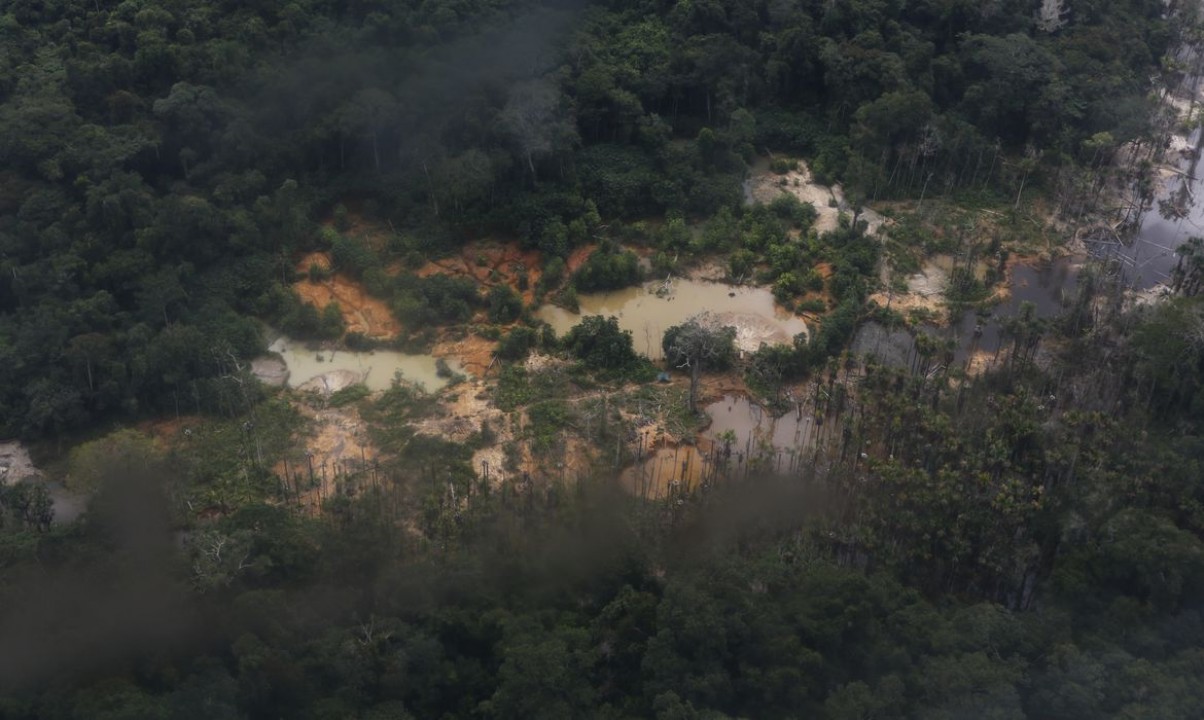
point(162, 161)
point(1023, 543)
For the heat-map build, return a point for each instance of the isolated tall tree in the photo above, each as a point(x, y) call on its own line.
point(371, 112)
point(1051, 15)
point(698, 344)
point(532, 119)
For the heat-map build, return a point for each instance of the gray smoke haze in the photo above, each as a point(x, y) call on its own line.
point(124, 596)
point(404, 102)
point(495, 60)
point(118, 600)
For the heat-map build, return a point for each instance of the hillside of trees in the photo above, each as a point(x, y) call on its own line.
point(1022, 543)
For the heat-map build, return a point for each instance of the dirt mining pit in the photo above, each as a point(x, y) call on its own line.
point(336, 446)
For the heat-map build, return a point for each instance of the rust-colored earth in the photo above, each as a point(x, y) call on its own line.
point(578, 257)
point(473, 351)
point(490, 263)
point(362, 313)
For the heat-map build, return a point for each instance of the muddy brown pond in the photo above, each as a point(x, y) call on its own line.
point(652, 308)
point(330, 370)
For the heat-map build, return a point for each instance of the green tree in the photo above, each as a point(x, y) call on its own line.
point(601, 344)
point(505, 305)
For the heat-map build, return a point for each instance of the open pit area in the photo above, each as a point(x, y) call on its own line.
point(663, 449)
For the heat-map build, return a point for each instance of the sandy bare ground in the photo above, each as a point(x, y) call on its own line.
point(752, 331)
point(925, 291)
point(461, 416)
point(15, 463)
point(336, 445)
point(829, 201)
point(329, 383)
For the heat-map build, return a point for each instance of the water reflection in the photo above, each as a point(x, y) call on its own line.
point(1050, 288)
point(1167, 222)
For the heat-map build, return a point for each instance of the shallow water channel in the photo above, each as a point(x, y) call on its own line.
point(328, 370)
point(652, 308)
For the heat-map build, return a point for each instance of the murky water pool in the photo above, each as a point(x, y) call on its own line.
point(743, 438)
point(1175, 215)
point(332, 369)
point(17, 467)
point(1051, 288)
point(654, 307)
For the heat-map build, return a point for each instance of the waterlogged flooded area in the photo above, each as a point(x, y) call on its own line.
point(1175, 213)
point(652, 308)
point(743, 437)
point(330, 370)
point(1050, 288)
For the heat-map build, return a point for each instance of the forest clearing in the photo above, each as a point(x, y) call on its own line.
point(613, 359)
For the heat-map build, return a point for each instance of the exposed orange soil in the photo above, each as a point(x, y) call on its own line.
point(319, 259)
point(474, 352)
point(578, 257)
point(338, 445)
point(906, 302)
point(362, 313)
point(490, 263)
